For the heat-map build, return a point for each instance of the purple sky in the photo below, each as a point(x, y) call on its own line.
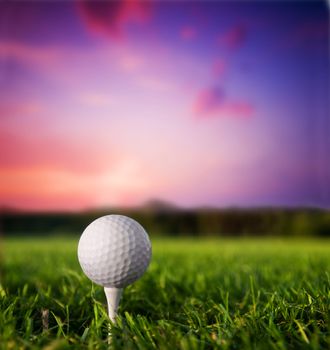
point(197, 103)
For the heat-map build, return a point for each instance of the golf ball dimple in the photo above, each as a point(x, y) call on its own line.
point(114, 251)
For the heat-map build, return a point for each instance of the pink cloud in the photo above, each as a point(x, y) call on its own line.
point(209, 100)
point(238, 109)
point(109, 18)
point(64, 64)
point(8, 111)
point(188, 33)
point(219, 67)
point(46, 202)
point(130, 62)
point(50, 61)
point(212, 102)
point(29, 54)
point(55, 152)
point(234, 38)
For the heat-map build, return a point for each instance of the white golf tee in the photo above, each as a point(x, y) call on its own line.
point(113, 298)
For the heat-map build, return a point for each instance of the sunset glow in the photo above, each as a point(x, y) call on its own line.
point(196, 103)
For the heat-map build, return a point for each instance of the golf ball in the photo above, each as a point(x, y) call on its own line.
point(114, 251)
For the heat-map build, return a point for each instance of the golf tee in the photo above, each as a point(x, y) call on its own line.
point(113, 298)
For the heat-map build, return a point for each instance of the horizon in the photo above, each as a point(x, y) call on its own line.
point(201, 104)
point(160, 206)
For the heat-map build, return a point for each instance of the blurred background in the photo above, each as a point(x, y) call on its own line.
point(195, 118)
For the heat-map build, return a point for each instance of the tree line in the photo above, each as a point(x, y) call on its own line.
point(178, 222)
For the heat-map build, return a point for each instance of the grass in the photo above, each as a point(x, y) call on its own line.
point(197, 294)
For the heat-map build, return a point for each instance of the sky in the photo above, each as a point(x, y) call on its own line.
point(198, 103)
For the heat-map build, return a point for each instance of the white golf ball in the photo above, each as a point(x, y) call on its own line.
point(114, 251)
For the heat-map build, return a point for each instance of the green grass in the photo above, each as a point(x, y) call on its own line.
point(197, 294)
